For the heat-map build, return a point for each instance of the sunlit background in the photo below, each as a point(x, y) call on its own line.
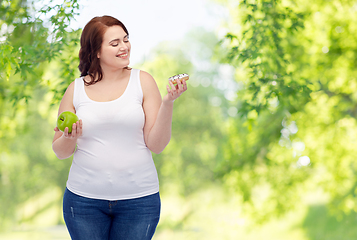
point(264, 141)
point(151, 22)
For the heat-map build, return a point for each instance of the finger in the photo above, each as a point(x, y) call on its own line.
point(74, 130)
point(80, 127)
point(179, 84)
point(172, 85)
point(171, 91)
point(184, 85)
point(65, 132)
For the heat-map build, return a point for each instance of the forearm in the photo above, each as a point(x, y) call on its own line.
point(160, 134)
point(64, 147)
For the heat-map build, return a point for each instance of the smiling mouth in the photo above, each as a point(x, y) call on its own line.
point(122, 55)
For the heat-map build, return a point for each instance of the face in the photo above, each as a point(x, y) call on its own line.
point(115, 50)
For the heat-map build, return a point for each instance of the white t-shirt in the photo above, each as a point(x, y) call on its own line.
point(112, 161)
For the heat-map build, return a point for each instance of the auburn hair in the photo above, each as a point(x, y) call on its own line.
point(91, 42)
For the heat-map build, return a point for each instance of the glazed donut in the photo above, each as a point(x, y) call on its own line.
point(183, 76)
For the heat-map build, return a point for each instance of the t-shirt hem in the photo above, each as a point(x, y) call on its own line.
point(114, 198)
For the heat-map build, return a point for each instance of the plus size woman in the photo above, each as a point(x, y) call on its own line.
point(112, 190)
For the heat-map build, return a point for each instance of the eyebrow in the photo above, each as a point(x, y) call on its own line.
point(117, 39)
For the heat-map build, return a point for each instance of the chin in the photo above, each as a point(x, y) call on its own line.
point(127, 65)
point(123, 64)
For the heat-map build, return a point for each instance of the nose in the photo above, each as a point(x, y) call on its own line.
point(123, 46)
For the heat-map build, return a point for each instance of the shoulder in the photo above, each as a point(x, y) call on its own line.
point(148, 84)
point(145, 76)
point(70, 88)
point(147, 81)
point(67, 99)
point(68, 95)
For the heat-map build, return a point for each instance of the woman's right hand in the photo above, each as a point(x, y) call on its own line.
point(76, 131)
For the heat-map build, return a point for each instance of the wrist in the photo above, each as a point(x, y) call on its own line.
point(69, 138)
point(168, 103)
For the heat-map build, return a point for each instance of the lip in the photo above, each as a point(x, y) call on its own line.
point(123, 55)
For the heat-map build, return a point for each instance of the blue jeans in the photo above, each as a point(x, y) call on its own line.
point(94, 219)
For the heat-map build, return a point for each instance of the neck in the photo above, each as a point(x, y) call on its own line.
point(112, 74)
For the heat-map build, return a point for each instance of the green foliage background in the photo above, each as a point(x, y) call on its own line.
point(280, 85)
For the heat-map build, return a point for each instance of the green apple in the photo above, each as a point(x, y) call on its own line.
point(66, 119)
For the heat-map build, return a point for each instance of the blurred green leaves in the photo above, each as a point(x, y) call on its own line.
point(30, 38)
point(297, 62)
point(32, 33)
point(279, 89)
point(190, 159)
point(263, 47)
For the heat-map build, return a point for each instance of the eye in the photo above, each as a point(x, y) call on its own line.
point(114, 43)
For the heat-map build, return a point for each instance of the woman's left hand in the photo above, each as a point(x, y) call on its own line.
point(174, 91)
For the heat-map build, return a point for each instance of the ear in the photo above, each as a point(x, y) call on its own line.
point(98, 55)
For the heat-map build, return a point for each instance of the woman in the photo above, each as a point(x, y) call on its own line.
point(112, 189)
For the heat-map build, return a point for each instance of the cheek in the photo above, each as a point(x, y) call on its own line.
point(108, 52)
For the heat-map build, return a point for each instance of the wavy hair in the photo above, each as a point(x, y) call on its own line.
point(91, 42)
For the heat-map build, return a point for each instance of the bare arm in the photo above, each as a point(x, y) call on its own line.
point(158, 112)
point(64, 143)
